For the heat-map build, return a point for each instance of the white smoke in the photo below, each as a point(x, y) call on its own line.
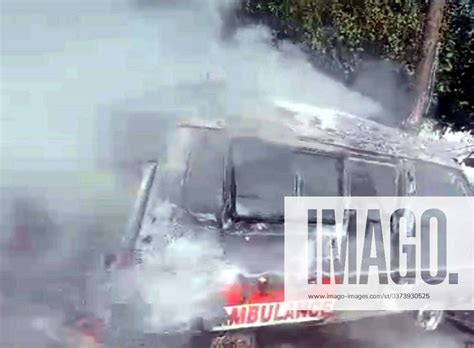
point(67, 67)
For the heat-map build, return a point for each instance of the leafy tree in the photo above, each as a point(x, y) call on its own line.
point(348, 31)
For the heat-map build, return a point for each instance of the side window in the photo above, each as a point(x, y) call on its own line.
point(263, 177)
point(320, 174)
point(264, 173)
point(469, 160)
point(436, 180)
point(369, 178)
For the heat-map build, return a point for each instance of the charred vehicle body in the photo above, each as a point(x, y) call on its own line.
point(229, 182)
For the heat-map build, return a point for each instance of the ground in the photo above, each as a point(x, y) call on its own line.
point(390, 331)
point(19, 330)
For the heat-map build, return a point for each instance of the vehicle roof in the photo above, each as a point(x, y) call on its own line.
point(320, 129)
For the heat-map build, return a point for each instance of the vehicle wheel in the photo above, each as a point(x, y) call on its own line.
point(429, 320)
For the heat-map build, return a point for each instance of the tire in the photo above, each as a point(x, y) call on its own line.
point(429, 320)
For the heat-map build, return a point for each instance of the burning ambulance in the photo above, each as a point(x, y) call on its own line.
point(228, 180)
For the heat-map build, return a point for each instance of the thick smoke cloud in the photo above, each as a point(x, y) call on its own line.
point(89, 85)
point(66, 65)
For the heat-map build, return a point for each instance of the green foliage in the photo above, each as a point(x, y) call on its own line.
point(454, 85)
point(390, 29)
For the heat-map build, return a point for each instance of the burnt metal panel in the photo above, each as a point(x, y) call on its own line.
point(136, 218)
